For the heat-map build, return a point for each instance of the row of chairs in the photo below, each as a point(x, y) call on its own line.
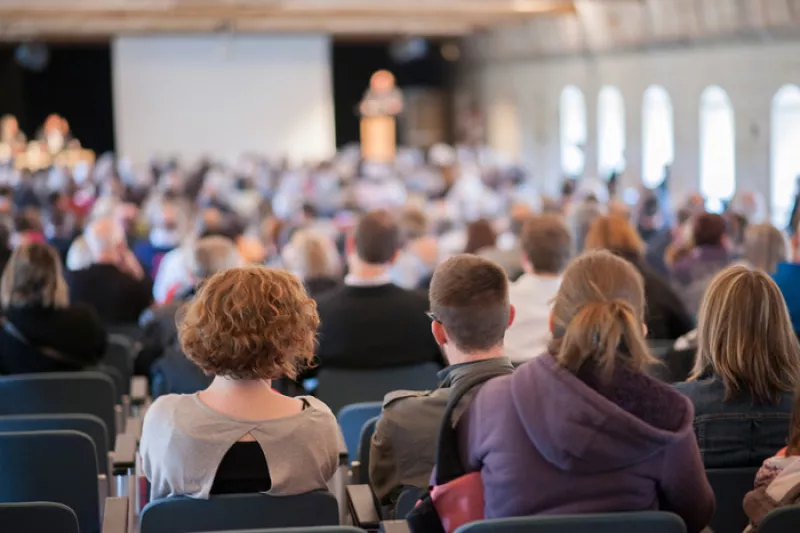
point(358, 423)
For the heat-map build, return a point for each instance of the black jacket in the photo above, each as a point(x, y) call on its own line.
point(374, 327)
point(665, 315)
point(75, 332)
point(118, 298)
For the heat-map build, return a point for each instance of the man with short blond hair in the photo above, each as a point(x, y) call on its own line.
point(547, 248)
point(470, 312)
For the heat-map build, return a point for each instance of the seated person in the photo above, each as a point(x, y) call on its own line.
point(471, 311)
point(41, 331)
point(583, 428)
point(246, 327)
point(165, 235)
point(665, 316)
point(748, 363)
point(546, 250)
point(777, 482)
point(787, 276)
point(420, 251)
point(312, 256)
point(369, 322)
point(692, 274)
point(171, 371)
point(114, 284)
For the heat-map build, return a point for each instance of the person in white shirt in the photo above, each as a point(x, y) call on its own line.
point(546, 249)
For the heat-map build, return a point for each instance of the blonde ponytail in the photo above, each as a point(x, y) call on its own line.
point(598, 315)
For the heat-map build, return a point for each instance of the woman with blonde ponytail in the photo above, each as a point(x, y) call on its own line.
point(583, 428)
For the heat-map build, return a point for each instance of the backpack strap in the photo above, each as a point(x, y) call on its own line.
point(448, 458)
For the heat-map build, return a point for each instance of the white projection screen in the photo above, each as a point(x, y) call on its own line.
point(223, 95)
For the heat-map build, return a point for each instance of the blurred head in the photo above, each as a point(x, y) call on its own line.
point(546, 244)
point(413, 224)
point(615, 234)
point(311, 254)
point(480, 235)
point(33, 277)
point(746, 338)
point(765, 247)
point(250, 323)
point(520, 213)
point(470, 305)
point(708, 230)
point(598, 316)
point(376, 238)
point(9, 127)
point(212, 255)
point(581, 221)
point(104, 236)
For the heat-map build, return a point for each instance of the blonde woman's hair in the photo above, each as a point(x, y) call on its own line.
point(764, 247)
point(310, 254)
point(598, 314)
point(33, 277)
point(616, 234)
point(745, 336)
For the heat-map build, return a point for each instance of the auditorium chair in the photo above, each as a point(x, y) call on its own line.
point(730, 486)
point(407, 500)
point(119, 462)
point(121, 355)
point(361, 473)
point(633, 522)
point(781, 520)
point(38, 517)
point(60, 467)
point(90, 393)
point(339, 387)
point(180, 514)
point(352, 419)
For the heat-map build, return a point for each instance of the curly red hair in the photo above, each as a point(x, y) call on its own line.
point(250, 323)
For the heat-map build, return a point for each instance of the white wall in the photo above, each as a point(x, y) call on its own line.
point(223, 95)
point(751, 74)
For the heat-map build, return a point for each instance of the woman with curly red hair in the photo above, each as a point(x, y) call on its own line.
point(246, 327)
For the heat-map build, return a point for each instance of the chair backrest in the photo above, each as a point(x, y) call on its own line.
point(91, 393)
point(635, 522)
point(119, 355)
point(52, 466)
point(352, 419)
point(38, 517)
point(87, 424)
point(363, 449)
point(339, 387)
point(781, 520)
point(239, 511)
point(730, 486)
point(406, 502)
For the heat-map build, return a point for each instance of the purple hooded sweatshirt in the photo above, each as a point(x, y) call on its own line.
point(549, 442)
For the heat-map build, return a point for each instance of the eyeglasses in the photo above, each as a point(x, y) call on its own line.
point(433, 317)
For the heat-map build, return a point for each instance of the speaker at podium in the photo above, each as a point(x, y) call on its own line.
point(382, 102)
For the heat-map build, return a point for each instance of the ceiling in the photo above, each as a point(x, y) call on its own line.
point(53, 19)
point(599, 26)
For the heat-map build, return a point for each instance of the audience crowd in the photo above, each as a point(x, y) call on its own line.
point(242, 284)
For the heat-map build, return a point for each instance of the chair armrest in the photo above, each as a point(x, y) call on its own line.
point(124, 454)
point(363, 510)
point(115, 515)
point(133, 426)
point(393, 526)
point(139, 390)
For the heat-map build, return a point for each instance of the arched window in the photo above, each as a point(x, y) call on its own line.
point(572, 111)
point(785, 152)
point(717, 148)
point(610, 131)
point(658, 142)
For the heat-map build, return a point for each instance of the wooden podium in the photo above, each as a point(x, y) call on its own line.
point(378, 142)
